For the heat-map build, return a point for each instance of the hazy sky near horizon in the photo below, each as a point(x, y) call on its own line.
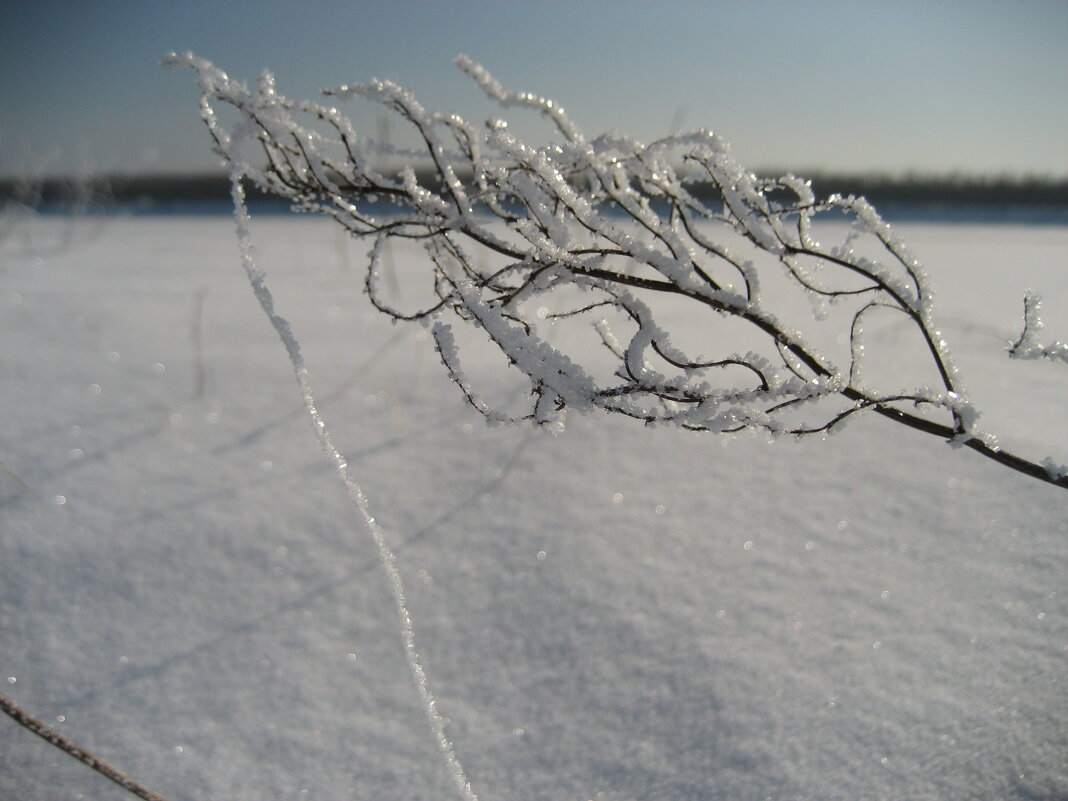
point(845, 85)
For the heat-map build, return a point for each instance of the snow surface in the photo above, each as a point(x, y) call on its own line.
point(613, 613)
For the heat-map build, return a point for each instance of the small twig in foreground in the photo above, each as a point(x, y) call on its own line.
point(72, 749)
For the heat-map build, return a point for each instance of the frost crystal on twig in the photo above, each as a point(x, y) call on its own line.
point(1028, 346)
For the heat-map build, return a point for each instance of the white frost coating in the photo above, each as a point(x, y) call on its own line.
point(352, 488)
point(495, 90)
point(545, 365)
point(1028, 345)
point(445, 343)
point(609, 338)
point(1056, 471)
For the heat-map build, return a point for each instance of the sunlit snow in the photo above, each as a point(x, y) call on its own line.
point(612, 613)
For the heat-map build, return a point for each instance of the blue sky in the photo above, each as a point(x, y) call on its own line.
point(973, 87)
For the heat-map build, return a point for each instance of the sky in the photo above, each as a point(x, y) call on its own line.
point(951, 87)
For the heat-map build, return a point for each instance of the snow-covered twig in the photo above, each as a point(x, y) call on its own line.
point(355, 493)
point(609, 229)
point(1028, 346)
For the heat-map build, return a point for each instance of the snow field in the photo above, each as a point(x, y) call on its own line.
point(615, 613)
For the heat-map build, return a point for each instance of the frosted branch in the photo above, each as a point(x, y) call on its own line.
point(621, 237)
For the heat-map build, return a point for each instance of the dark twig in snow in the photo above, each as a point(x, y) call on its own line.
point(47, 733)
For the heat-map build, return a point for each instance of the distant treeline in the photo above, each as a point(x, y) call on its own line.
point(948, 190)
point(165, 190)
